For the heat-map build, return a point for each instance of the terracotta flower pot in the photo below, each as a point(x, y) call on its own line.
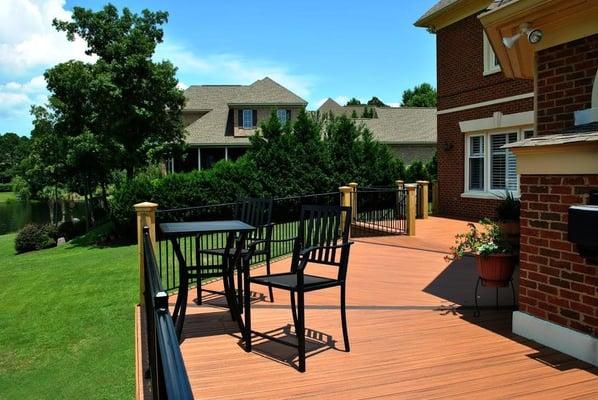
point(496, 269)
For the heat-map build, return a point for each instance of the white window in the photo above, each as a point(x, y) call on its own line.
point(490, 170)
point(476, 163)
point(491, 64)
point(282, 115)
point(248, 119)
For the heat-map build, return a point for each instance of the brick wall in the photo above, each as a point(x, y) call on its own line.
point(565, 76)
point(461, 81)
point(555, 284)
point(460, 68)
point(451, 163)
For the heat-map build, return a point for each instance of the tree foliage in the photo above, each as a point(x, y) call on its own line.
point(423, 95)
point(376, 102)
point(13, 149)
point(353, 102)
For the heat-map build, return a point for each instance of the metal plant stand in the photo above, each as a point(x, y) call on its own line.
point(476, 313)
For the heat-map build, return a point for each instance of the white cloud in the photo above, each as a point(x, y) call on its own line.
point(28, 39)
point(232, 69)
point(16, 98)
point(395, 104)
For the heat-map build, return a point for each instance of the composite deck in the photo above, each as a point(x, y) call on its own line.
point(412, 332)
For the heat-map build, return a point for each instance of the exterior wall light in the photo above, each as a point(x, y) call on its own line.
point(534, 36)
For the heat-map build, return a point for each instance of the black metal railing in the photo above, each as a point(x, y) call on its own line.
point(419, 197)
point(167, 372)
point(380, 211)
point(285, 217)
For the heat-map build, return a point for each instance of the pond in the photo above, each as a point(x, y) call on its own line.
point(16, 214)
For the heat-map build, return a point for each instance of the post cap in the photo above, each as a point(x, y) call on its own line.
point(345, 189)
point(145, 206)
point(411, 186)
point(423, 182)
point(353, 184)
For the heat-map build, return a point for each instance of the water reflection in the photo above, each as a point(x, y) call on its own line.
point(15, 214)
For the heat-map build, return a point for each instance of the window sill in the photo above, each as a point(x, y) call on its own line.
point(491, 71)
point(487, 195)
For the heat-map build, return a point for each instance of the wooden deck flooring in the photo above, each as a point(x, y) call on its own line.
point(412, 335)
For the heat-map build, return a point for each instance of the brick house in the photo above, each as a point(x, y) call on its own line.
point(479, 110)
point(554, 44)
point(219, 119)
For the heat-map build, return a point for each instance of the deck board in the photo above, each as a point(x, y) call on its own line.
point(412, 332)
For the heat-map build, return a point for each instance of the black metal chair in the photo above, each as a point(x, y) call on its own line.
point(255, 212)
point(323, 238)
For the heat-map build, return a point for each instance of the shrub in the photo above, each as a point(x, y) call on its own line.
point(416, 172)
point(21, 188)
point(35, 237)
point(508, 209)
point(71, 229)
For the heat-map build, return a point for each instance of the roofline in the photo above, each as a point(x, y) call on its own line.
point(407, 143)
point(304, 104)
point(451, 13)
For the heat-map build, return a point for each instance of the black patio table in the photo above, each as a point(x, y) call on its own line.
point(176, 230)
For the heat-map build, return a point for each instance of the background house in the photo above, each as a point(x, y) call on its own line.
point(220, 118)
point(409, 131)
point(479, 110)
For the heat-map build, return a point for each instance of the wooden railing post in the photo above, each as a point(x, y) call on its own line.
point(345, 201)
point(353, 186)
point(411, 204)
point(146, 216)
point(400, 184)
point(424, 205)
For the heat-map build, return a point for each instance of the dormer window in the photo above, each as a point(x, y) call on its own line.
point(491, 64)
point(248, 119)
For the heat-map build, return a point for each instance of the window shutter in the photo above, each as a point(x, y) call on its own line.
point(240, 117)
point(288, 115)
point(254, 118)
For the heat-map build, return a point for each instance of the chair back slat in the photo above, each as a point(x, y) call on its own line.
point(255, 212)
point(320, 226)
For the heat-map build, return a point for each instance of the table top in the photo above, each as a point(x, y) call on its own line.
point(203, 227)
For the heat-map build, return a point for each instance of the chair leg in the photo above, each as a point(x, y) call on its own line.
point(344, 319)
point(198, 286)
point(268, 272)
point(301, 330)
point(294, 309)
point(240, 284)
point(228, 292)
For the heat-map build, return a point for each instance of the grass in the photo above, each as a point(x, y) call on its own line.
point(67, 322)
point(7, 196)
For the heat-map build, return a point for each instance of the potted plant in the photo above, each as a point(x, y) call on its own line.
point(495, 261)
point(507, 214)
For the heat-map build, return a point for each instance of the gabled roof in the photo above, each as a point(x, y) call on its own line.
point(392, 125)
point(217, 100)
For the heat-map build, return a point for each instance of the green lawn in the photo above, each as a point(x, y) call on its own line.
point(6, 196)
point(67, 322)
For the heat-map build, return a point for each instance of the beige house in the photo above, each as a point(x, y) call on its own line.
point(220, 118)
point(409, 131)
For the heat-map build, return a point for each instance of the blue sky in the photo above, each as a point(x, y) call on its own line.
point(318, 49)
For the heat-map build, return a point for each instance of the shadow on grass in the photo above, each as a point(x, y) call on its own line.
point(101, 236)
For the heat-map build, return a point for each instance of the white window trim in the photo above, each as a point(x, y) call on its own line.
point(488, 193)
point(250, 113)
point(489, 57)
